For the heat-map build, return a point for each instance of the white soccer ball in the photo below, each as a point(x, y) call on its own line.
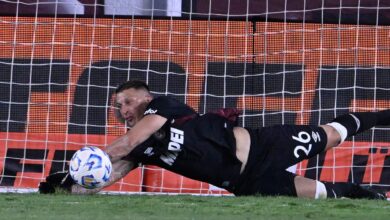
point(90, 167)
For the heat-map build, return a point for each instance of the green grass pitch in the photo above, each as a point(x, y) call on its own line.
point(110, 207)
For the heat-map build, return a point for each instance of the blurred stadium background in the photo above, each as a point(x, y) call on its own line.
point(279, 61)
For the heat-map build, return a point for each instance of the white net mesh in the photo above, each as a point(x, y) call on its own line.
point(58, 74)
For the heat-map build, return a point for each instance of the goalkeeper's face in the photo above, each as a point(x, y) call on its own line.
point(131, 105)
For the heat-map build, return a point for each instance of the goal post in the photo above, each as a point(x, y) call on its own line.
point(58, 75)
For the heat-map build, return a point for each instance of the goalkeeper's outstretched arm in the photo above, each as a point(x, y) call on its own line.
point(120, 169)
point(62, 180)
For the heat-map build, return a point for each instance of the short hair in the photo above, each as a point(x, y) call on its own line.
point(132, 84)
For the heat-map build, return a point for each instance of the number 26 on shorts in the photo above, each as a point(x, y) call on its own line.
point(304, 138)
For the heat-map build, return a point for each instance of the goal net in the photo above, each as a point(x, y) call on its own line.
point(58, 73)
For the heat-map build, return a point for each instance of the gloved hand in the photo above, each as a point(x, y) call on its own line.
point(60, 180)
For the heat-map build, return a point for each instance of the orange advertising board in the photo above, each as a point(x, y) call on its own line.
point(58, 76)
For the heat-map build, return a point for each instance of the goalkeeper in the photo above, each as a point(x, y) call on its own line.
point(213, 149)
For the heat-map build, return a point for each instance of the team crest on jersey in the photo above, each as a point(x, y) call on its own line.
point(149, 151)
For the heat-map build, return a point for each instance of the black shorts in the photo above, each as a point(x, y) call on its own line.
point(273, 150)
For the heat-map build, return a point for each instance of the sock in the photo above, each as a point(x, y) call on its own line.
point(321, 192)
point(350, 124)
point(383, 118)
point(350, 190)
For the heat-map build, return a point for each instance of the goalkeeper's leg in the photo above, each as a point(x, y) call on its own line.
point(309, 188)
point(347, 125)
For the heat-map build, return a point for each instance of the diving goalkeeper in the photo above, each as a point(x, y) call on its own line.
point(213, 149)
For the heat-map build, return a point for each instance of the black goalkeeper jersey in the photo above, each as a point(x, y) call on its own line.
point(201, 147)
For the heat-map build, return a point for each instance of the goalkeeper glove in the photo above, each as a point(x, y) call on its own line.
point(60, 180)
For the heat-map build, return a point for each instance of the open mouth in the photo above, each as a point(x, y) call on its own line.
point(129, 119)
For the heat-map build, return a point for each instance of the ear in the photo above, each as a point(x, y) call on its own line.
point(149, 98)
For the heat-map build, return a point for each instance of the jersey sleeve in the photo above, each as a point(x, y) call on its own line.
point(168, 107)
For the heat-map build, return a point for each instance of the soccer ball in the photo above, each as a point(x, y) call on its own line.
point(90, 167)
